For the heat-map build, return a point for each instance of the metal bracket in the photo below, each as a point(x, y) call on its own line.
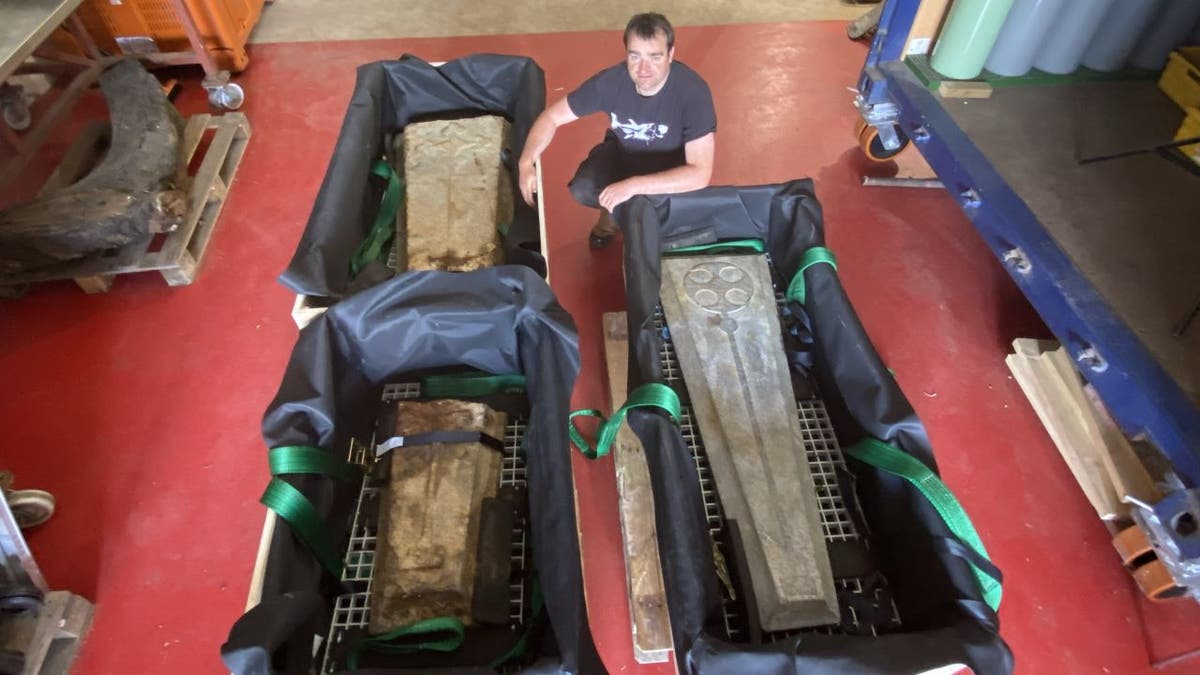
point(882, 116)
point(21, 584)
point(1173, 527)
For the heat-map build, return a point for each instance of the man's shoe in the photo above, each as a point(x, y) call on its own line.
point(599, 241)
point(603, 232)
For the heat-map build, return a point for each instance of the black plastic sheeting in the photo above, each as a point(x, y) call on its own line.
point(944, 617)
point(387, 96)
point(497, 320)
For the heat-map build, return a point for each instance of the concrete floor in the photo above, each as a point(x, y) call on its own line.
point(320, 20)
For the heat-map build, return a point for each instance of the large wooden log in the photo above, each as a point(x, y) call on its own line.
point(138, 189)
point(724, 324)
point(429, 515)
point(458, 193)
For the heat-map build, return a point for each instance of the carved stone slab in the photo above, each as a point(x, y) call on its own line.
point(429, 515)
point(723, 321)
point(457, 193)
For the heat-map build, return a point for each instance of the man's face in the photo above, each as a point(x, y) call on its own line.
point(648, 61)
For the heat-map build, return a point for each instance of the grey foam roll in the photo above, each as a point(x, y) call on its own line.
point(1168, 31)
point(1124, 24)
point(1021, 37)
point(1072, 33)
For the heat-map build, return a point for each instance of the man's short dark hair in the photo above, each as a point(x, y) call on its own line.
point(647, 25)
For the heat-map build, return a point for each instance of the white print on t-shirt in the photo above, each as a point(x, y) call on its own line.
point(637, 131)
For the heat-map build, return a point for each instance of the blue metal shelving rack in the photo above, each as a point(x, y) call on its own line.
point(1142, 397)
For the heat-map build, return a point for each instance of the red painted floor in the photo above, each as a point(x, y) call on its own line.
point(140, 409)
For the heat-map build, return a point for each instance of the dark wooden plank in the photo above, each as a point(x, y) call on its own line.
point(651, 625)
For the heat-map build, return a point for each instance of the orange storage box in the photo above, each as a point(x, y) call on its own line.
point(147, 26)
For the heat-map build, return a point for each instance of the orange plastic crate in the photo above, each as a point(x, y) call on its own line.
point(127, 26)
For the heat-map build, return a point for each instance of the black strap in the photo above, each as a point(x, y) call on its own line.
point(957, 548)
point(447, 436)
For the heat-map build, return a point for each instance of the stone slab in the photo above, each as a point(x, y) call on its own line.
point(724, 324)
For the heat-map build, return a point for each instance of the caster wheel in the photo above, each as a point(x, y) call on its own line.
point(1133, 546)
point(30, 508)
point(229, 96)
point(1156, 582)
point(20, 603)
point(871, 145)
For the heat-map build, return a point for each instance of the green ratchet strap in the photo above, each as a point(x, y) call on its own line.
point(374, 247)
point(304, 459)
point(470, 385)
point(291, 504)
point(652, 394)
point(451, 630)
point(813, 256)
point(897, 462)
point(732, 246)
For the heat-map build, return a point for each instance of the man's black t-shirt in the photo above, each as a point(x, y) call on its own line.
point(680, 112)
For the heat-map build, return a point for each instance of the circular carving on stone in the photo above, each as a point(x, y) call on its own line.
point(718, 287)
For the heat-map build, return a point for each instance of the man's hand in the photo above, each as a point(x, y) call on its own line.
point(618, 193)
point(527, 178)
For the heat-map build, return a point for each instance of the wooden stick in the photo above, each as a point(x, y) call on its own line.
point(260, 562)
point(541, 204)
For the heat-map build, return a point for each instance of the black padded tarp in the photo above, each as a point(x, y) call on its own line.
point(387, 96)
point(945, 619)
point(498, 320)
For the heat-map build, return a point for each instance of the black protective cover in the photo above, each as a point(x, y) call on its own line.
point(944, 617)
point(497, 320)
point(387, 96)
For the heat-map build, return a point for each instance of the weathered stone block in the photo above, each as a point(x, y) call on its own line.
point(429, 514)
point(458, 193)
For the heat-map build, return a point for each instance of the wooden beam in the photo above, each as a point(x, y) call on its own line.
point(925, 26)
point(651, 624)
point(964, 89)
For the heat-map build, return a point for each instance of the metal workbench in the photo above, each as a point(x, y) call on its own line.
point(1107, 253)
point(25, 25)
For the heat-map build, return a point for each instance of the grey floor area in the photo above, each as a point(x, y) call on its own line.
point(1132, 225)
point(305, 20)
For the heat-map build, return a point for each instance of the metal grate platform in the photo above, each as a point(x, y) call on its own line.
point(351, 610)
point(824, 457)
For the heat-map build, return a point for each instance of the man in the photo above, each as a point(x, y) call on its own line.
point(662, 127)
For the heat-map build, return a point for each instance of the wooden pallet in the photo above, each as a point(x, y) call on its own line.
point(48, 640)
point(175, 255)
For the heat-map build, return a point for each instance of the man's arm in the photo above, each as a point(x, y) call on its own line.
point(540, 135)
point(693, 175)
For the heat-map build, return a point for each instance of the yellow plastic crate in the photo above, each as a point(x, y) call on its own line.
point(1190, 129)
point(1181, 78)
